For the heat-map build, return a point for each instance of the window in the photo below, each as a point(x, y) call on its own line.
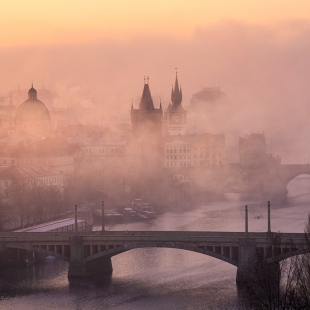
point(167, 150)
point(12, 161)
point(5, 161)
point(175, 150)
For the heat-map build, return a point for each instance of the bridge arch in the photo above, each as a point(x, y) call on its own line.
point(124, 248)
point(35, 249)
point(289, 254)
point(298, 178)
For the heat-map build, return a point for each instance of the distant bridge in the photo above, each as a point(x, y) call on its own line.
point(272, 181)
point(278, 178)
point(91, 252)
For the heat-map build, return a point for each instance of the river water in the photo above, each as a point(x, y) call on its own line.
point(156, 278)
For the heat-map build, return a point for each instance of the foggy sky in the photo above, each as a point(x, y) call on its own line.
point(264, 71)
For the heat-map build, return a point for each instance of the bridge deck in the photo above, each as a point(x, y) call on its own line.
point(147, 236)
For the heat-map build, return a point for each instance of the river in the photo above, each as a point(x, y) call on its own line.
point(156, 278)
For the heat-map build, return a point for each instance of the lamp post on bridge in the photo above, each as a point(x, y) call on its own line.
point(246, 221)
point(269, 229)
point(75, 218)
point(102, 217)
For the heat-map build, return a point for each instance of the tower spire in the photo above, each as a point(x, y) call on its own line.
point(176, 95)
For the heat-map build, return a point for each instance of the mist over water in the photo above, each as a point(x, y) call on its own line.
point(159, 278)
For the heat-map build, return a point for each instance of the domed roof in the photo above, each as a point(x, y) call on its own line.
point(32, 108)
point(209, 94)
point(209, 99)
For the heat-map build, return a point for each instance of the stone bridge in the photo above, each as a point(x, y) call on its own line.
point(272, 181)
point(278, 178)
point(90, 252)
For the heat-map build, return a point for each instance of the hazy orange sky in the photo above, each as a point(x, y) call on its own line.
point(58, 21)
point(98, 51)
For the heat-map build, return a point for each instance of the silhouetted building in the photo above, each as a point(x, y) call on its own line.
point(252, 150)
point(33, 117)
point(146, 120)
point(146, 128)
point(208, 100)
point(175, 114)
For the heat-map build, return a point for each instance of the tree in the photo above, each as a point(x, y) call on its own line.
point(21, 199)
point(5, 218)
point(280, 284)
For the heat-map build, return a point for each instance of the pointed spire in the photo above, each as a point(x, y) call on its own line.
point(160, 107)
point(176, 85)
point(146, 103)
point(131, 104)
point(176, 95)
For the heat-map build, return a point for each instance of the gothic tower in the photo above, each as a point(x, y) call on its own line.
point(146, 128)
point(175, 114)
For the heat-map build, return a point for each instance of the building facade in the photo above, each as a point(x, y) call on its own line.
point(252, 151)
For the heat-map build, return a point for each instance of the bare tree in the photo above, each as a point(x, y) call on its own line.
point(5, 217)
point(280, 284)
point(21, 199)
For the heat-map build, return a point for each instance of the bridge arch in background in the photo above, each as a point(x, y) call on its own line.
point(299, 183)
point(124, 248)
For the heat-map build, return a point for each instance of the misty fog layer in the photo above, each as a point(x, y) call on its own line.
point(263, 70)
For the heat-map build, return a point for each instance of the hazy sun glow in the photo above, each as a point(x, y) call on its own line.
point(59, 21)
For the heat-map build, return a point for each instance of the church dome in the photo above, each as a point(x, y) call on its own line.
point(32, 108)
point(209, 99)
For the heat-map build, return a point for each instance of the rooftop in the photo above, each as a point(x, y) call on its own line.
point(50, 226)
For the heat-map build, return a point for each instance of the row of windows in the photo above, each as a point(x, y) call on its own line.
point(176, 157)
point(6, 161)
point(105, 160)
point(175, 150)
point(48, 180)
point(208, 163)
point(175, 146)
point(101, 151)
point(207, 155)
point(177, 164)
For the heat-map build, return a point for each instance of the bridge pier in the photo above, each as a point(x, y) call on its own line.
point(76, 263)
point(77, 266)
point(246, 257)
